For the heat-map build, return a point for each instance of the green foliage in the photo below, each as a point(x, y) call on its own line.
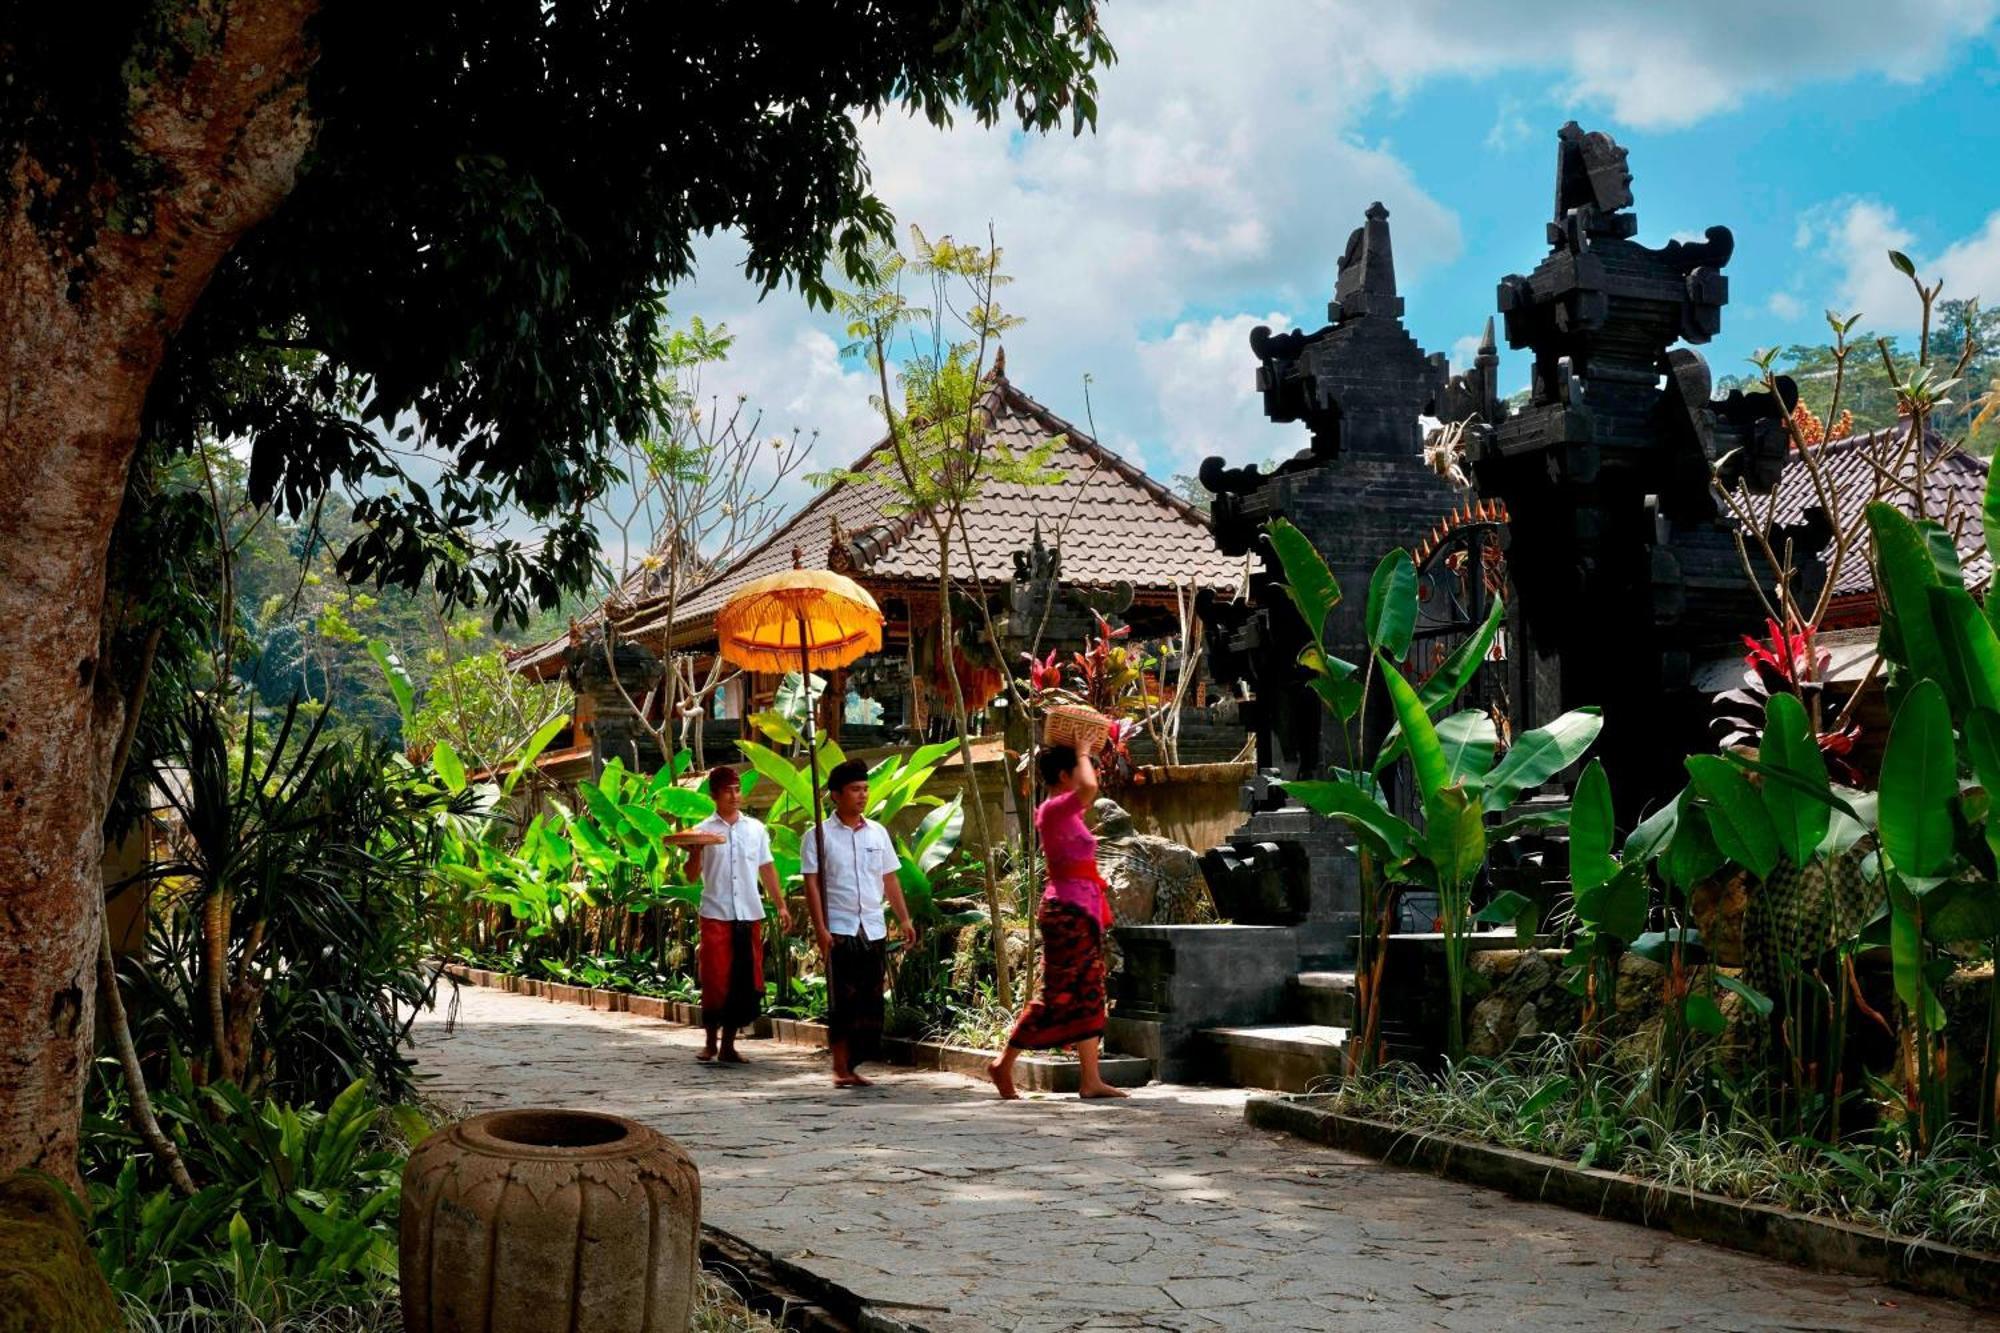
point(1548, 1100)
point(486, 713)
point(1919, 784)
point(292, 914)
point(1737, 816)
point(295, 1205)
point(1456, 778)
point(1868, 388)
point(1313, 590)
point(1309, 582)
point(519, 254)
point(1392, 605)
point(1591, 831)
point(1800, 818)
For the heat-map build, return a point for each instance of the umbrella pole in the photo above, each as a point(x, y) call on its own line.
point(812, 768)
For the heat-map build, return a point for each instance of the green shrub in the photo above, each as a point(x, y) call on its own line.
point(296, 1207)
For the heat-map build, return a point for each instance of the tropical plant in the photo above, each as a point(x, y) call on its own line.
point(1551, 1099)
point(1461, 776)
point(1928, 878)
point(1786, 663)
point(291, 908)
point(485, 712)
point(596, 879)
point(294, 1204)
point(941, 455)
point(1940, 828)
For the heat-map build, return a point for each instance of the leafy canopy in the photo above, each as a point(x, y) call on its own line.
point(455, 310)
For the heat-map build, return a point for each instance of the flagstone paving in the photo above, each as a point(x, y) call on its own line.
point(953, 1211)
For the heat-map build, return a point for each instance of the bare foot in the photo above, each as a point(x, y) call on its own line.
point(706, 1056)
point(1101, 1090)
point(1003, 1079)
point(732, 1058)
point(852, 1081)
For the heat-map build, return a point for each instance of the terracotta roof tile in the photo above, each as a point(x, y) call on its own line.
point(1954, 490)
point(1118, 525)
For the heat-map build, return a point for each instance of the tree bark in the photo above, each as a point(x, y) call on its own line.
point(1002, 974)
point(84, 324)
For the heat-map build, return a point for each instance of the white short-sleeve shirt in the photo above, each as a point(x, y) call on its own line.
point(856, 859)
point(729, 889)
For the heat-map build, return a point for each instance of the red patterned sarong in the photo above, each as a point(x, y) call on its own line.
point(1069, 1007)
point(732, 972)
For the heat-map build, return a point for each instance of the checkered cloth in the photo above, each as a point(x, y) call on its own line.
point(1805, 914)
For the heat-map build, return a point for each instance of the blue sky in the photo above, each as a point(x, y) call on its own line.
point(1239, 143)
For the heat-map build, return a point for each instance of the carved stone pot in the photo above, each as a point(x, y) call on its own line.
point(527, 1220)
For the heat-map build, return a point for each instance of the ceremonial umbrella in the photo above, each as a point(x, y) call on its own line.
point(800, 619)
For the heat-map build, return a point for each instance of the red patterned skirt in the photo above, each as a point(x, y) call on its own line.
point(731, 963)
point(1069, 1007)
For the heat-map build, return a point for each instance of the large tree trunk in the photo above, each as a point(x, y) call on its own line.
point(84, 323)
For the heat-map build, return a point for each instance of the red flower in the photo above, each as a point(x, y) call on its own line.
point(1045, 674)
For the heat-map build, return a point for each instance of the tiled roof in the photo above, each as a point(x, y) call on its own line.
point(544, 659)
point(1117, 525)
point(1954, 489)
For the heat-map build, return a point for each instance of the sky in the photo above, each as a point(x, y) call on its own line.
point(1238, 144)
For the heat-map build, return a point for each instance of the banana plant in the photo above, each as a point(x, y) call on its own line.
point(925, 853)
point(622, 831)
point(1940, 853)
point(1461, 777)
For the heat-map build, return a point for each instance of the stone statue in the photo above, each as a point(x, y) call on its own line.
point(1623, 567)
point(1361, 386)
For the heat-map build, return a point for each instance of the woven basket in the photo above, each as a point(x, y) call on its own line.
point(1083, 729)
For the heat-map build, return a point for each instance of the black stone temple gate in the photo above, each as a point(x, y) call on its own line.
point(1621, 572)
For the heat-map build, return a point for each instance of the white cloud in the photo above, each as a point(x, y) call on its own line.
point(1855, 236)
point(1971, 266)
point(1231, 160)
point(1204, 379)
point(1786, 306)
point(1463, 350)
point(1660, 68)
point(1510, 126)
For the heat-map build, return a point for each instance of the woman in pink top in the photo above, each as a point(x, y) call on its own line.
point(1069, 1008)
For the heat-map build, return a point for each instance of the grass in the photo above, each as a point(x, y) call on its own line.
point(717, 1309)
point(187, 1312)
point(1541, 1103)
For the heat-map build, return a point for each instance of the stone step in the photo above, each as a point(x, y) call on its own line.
point(1283, 1057)
point(1323, 998)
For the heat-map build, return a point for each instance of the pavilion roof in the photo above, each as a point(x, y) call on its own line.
point(1112, 523)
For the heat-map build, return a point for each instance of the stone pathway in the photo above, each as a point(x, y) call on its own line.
point(956, 1212)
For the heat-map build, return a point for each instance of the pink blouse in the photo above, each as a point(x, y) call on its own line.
point(1067, 844)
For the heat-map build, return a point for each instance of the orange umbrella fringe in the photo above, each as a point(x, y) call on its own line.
point(759, 628)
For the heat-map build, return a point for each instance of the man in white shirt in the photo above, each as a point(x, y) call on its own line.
point(846, 898)
point(731, 961)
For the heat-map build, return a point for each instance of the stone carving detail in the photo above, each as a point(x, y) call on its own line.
point(1151, 880)
point(1624, 567)
point(1361, 386)
point(616, 730)
point(1041, 611)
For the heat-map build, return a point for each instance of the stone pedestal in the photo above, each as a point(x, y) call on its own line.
point(1325, 934)
point(1178, 980)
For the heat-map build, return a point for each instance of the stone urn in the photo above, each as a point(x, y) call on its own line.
point(527, 1220)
